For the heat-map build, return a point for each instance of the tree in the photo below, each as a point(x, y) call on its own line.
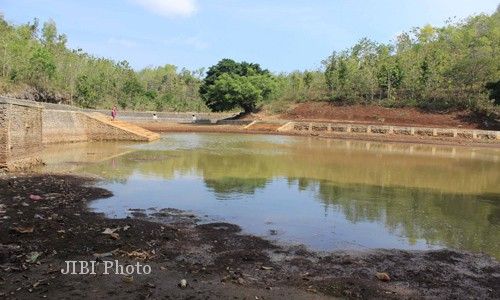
point(49, 33)
point(230, 84)
point(494, 89)
point(230, 91)
point(42, 67)
point(231, 67)
point(87, 91)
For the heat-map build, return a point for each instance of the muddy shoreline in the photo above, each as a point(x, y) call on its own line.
point(44, 221)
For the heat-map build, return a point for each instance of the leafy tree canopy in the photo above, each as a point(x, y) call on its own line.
point(230, 84)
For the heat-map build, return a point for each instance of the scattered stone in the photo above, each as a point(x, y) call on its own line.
point(183, 284)
point(32, 257)
point(107, 254)
point(112, 233)
point(383, 276)
point(22, 229)
point(141, 255)
point(36, 197)
point(266, 268)
point(108, 231)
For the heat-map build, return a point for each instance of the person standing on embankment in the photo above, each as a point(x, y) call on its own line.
point(113, 113)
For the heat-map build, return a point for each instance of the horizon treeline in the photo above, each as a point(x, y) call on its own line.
point(36, 59)
point(456, 66)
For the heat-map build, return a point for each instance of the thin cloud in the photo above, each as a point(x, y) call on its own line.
point(170, 8)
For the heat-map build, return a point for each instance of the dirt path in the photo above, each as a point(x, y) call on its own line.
point(44, 221)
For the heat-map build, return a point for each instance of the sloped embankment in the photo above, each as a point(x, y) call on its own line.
point(61, 126)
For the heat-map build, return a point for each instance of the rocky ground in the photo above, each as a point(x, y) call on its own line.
point(26, 92)
point(44, 222)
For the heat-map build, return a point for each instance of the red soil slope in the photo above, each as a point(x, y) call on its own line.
point(380, 115)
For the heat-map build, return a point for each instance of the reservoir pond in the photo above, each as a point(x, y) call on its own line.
point(322, 193)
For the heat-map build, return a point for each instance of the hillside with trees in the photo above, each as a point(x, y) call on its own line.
point(437, 69)
point(36, 64)
point(431, 68)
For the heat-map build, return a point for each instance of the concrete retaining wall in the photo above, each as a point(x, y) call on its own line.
point(63, 126)
point(180, 117)
point(234, 122)
point(335, 128)
point(20, 134)
point(26, 125)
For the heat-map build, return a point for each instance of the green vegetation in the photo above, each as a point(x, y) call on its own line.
point(230, 84)
point(38, 60)
point(431, 68)
point(454, 67)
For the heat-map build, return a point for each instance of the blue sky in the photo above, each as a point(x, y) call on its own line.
point(281, 35)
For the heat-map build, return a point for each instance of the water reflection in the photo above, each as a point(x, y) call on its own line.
point(326, 194)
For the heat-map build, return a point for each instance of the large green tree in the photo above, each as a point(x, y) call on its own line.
point(230, 84)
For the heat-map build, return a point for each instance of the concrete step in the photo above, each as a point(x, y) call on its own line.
point(264, 126)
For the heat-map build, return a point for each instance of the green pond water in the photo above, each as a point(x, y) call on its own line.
point(325, 194)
